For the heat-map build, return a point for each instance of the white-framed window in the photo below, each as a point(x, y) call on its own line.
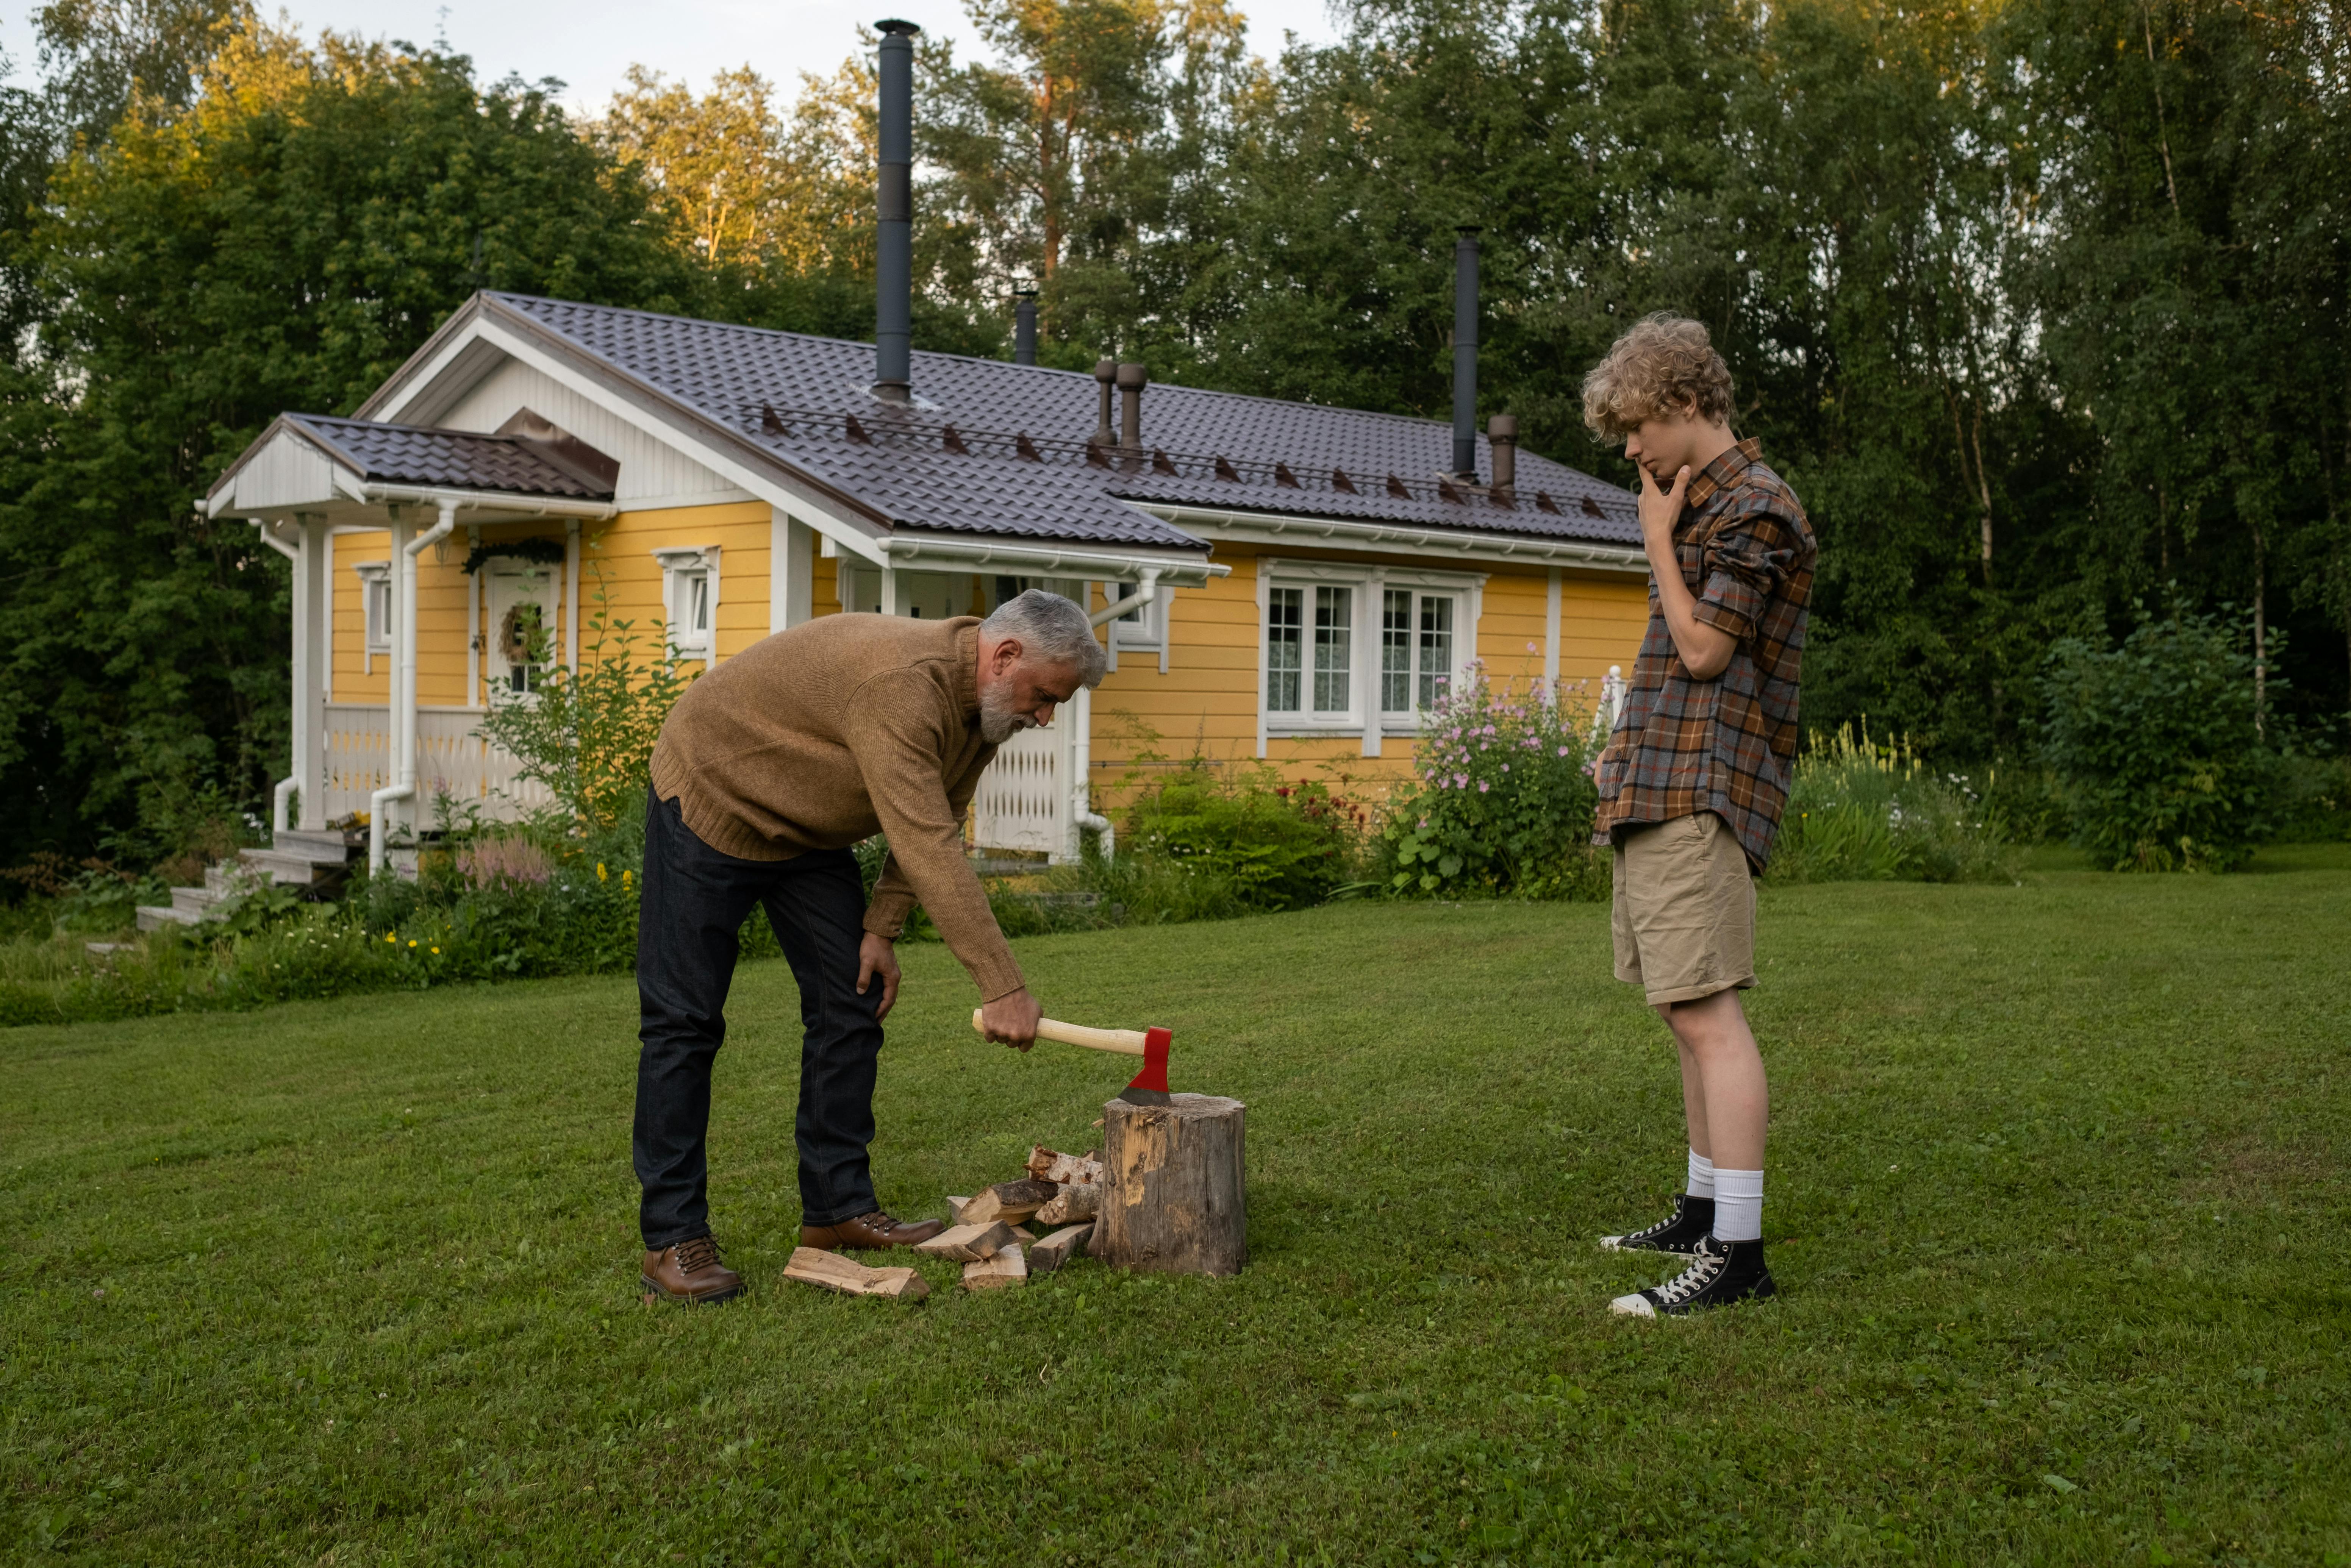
point(690, 600)
point(1349, 647)
point(375, 609)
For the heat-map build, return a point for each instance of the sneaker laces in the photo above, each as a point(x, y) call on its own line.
point(696, 1254)
point(1661, 1226)
point(1704, 1266)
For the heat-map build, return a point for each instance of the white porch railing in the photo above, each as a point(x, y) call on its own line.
point(452, 762)
point(1023, 799)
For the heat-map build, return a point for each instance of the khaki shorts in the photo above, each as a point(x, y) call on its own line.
point(1685, 910)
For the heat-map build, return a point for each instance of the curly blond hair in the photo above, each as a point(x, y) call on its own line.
point(1665, 365)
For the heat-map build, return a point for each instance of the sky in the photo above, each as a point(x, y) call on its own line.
point(589, 43)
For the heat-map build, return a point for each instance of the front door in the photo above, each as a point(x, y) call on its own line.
point(521, 640)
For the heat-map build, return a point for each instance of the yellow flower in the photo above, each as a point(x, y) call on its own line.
point(600, 872)
point(436, 949)
point(391, 936)
point(412, 942)
point(625, 879)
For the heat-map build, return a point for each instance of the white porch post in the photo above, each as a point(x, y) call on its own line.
point(313, 645)
point(1371, 643)
point(791, 601)
point(889, 591)
point(571, 596)
point(473, 621)
point(1551, 637)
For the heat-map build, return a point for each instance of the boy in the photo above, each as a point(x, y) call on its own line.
point(1694, 777)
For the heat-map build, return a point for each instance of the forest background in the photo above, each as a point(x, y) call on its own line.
point(2039, 304)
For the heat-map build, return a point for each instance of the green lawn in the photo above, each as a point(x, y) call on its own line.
point(2057, 1195)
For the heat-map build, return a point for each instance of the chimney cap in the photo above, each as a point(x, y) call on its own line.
point(1132, 375)
point(1469, 228)
point(1502, 427)
point(894, 27)
point(1024, 291)
point(1104, 370)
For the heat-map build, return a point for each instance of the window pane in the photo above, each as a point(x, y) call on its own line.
point(1396, 651)
point(1285, 616)
point(698, 601)
point(1436, 647)
point(1334, 642)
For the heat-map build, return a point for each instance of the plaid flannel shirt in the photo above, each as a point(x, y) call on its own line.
point(1728, 745)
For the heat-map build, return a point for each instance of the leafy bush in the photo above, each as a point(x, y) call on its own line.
point(1248, 834)
point(1502, 798)
point(2316, 799)
point(1861, 812)
point(588, 735)
point(2164, 766)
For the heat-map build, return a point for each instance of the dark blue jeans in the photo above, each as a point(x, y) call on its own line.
point(694, 903)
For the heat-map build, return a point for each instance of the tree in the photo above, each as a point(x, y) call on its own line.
point(283, 242)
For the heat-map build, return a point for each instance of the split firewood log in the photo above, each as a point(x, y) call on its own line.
point(834, 1272)
point(1058, 1249)
point(955, 1209)
point(1044, 1165)
point(1071, 1206)
point(1006, 1268)
point(968, 1243)
point(1011, 1201)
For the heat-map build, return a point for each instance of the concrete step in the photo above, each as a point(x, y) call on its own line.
point(195, 903)
point(294, 868)
point(155, 916)
point(325, 846)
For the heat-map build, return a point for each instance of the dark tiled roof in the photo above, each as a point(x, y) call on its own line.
point(958, 463)
point(457, 459)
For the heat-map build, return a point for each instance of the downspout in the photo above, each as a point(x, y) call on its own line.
point(1081, 745)
point(281, 794)
point(403, 702)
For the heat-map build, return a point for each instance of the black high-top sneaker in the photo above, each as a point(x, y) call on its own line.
point(1721, 1272)
point(1692, 1221)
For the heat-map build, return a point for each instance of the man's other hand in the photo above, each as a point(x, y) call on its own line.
point(1012, 1019)
point(876, 957)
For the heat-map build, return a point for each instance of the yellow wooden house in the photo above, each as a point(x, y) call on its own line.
point(1275, 581)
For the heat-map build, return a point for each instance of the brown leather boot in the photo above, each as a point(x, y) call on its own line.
point(870, 1230)
point(691, 1273)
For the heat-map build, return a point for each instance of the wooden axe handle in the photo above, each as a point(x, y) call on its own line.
point(1125, 1041)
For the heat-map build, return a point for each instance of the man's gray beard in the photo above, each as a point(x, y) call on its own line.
point(999, 721)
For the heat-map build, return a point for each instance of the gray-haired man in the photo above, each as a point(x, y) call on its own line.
point(769, 769)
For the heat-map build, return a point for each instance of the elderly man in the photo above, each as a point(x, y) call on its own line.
point(768, 770)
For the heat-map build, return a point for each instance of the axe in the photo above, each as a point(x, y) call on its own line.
point(1150, 1085)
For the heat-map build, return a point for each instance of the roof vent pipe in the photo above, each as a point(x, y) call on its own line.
point(1024, 326)
point(1132, 380)
point(1105, 372)
point(894, 202)
point(1502, 436)
point(1465, 356)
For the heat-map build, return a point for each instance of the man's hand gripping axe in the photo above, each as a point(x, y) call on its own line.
point(1150, 1085)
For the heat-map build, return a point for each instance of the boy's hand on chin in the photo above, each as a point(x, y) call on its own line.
point(1660, 509)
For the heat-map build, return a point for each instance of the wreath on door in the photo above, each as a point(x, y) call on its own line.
point(518, 632)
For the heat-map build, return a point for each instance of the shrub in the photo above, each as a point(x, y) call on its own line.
point(2163, 763)
point(1502, 801)
point(1249, 834)
point(1861, 812)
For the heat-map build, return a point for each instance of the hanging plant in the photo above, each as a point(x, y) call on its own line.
point(539, 552)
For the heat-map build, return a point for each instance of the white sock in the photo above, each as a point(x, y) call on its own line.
point(1739, 1205)
point(1701, 1175)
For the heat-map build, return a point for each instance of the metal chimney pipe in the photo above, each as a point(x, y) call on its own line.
point(1502, 436)
point(1464, 355)
point(1132, 380)
point(1024, 327)
point(894, 202)
point(1105, 372)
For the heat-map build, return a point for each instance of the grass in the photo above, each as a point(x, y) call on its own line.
point(2057, 1203)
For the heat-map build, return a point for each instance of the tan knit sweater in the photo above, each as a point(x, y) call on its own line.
point(829, 732)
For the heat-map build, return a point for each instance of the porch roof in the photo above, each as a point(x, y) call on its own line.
point(314, 462)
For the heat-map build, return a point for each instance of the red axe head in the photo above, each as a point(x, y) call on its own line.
point(1150, 1085)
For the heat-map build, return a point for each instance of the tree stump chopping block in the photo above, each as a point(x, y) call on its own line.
point(1174, 1203)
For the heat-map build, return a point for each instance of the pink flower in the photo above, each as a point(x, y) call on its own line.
point(1481, 786)
point(1562, 751)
